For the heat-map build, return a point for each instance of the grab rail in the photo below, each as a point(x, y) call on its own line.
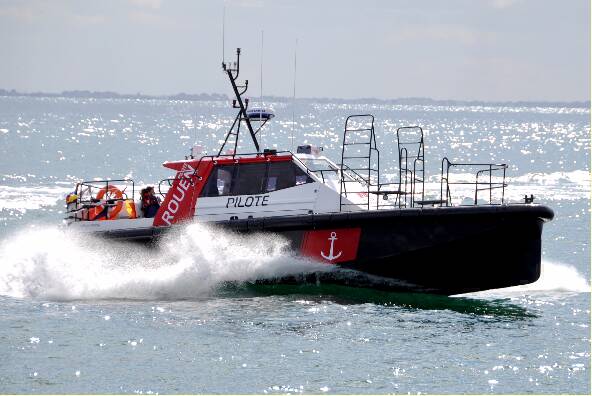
point(487, 185)
point(86, 196)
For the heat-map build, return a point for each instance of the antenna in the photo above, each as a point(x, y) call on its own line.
point(261, 84)
point(294, 95)
point(261, 87)
point(223, 29)
point(232, 70)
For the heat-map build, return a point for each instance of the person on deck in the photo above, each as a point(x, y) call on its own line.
point(150, 203)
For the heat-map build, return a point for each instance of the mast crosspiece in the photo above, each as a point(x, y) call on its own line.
point(233, 70)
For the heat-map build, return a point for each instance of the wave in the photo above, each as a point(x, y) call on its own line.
point(554, 186)
point(51, 263)
point(577, 177)
point(26, 198)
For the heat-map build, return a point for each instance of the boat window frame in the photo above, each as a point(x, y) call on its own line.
point(235, 185)
point(333, 168)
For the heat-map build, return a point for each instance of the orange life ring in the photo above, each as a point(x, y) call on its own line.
point(113, 193)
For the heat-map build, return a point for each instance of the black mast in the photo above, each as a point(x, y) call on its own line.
point(233, 71)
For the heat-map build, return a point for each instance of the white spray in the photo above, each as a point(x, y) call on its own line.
point(52, 264)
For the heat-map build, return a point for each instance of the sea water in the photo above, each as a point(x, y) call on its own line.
point(82, 315)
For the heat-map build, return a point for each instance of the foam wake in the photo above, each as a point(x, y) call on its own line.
point(555, 278)
point(50, 263)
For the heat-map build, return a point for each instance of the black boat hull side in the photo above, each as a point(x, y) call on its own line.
point(437, 250)
point(447, 252)
point(455, 256)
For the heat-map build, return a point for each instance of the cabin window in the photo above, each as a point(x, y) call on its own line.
point(220, 181)
point(251, 179)
point(282, 175)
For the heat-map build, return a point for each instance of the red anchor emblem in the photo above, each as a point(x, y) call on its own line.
point(331, 246)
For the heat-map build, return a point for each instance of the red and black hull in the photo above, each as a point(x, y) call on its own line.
point(449, 250)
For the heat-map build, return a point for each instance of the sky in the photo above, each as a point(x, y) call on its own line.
point(492, 50)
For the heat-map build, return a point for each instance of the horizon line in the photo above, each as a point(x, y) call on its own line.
point(78, 93)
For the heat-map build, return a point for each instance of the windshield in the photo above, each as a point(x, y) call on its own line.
point(315, 165)
point(326, 170)
point(323, 169)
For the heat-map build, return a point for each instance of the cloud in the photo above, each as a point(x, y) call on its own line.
point(153, 4)
point(453, 33)
point(500, 4)
point(156, 20)
point(37, 11)
point(88, 19)
point(245, 3)
point(22, 12)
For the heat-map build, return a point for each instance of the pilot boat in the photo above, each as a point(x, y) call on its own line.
point(341, 214)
